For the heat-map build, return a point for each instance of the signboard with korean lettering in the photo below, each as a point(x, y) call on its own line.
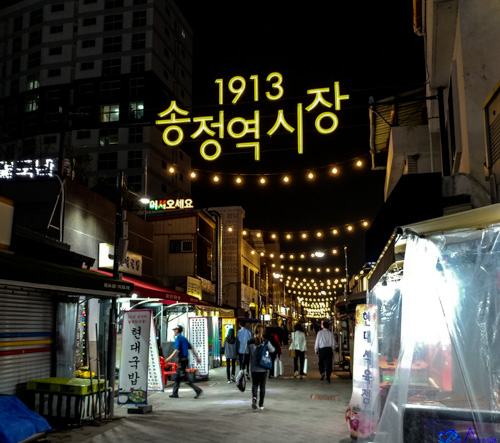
point(210, 130)
point(131, 265)
point(193, 287)
point(171, 204)
point(198, 337)
point(155, 379)
point(133, 378)
point(364, 408)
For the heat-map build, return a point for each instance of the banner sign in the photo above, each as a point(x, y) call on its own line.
point(364, 408)
point(213, 128)
point(133, 378)
point(198, 337)
point(155, 378)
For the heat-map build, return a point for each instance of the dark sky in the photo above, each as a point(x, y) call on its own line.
point(369, 47)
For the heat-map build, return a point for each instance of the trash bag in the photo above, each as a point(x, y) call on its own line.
point(241, 381)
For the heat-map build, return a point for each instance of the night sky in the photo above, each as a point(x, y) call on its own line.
point(368, 47)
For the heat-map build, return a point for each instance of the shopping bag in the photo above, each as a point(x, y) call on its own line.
point(281, 367)
point(305, 366)
point(276, 368)
point(241, 381)
point(291, 353)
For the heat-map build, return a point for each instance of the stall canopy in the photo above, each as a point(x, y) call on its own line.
point(17, 270)
point(150, 290)
point(437, 342)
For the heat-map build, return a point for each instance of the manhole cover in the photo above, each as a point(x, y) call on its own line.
point(324, 397)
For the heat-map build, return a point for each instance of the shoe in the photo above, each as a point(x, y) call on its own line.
point(248, 377)
point(229, 381)
point(322, 377)
point(295, 374)
point(254, 403)
point(173, 396)
point(233, 379)
point(301, 377)
point(198, 394)
point(328, 380)
point(261, 407)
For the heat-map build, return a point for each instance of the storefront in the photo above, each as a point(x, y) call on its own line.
point(434, 373)
point(39, 306)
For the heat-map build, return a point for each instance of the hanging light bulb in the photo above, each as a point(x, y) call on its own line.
point(216, 179)
point(310, 175)
point(238, 180)
point(193, 175)
point(359, 163)
point(286, 179)
point(262, 180)
point(334, 171)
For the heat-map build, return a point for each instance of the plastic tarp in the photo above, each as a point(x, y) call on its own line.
point(439, 335)
point(17, 422)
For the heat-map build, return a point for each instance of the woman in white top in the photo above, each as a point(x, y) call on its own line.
point(300, 346)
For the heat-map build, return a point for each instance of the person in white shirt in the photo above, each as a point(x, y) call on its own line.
point(243, 336)
point(324, 346)
point(299, 345)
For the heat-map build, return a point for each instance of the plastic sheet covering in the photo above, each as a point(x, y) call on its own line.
point(446, 381)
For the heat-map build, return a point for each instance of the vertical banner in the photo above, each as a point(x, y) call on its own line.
point(364, 408)
point(227, 325)
point(198, 337)
point(155, 379)
point(133, 378)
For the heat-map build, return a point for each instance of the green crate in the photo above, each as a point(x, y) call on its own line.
point(64, 385)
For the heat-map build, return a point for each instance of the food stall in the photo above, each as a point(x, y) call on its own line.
point(438, 309)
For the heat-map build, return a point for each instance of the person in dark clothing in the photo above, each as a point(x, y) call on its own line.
point(271, 336)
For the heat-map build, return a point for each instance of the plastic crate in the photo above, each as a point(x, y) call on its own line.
point(75, 386)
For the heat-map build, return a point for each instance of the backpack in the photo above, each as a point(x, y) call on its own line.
point(264, 358)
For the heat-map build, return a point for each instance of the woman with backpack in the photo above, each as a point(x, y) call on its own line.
point(255, 346)
point(231, 353)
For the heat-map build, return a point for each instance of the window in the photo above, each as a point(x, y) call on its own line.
point(57, 8)
point(136, 86)
point(113, 22)
point(139, 41)
point(86, 66)
point(110, 89)
point(88, 44)
point(110, 113)
point(177, 246)
point(54, 72)
point(31, 103)
point(245, 275)
point(83, 111)
point(33, 81)
point(139, 2)
point(50, 139)
point(16, 65)
point(134, 183)
point(136, 110)
point(108, 137)
point(35, 38)
point(111, 67)
point(166, 52)
point(90, 21)
point(18, 23)
point(34, 59)
point(112, 44)
point(135, 134)
point(56, 29)
point(55, 51)
point(51, 117)
point(86, 88)
point(14, 87)
point(139, 19)
point(54, 94)
point(89, 2)
point(17, 45)
point(80, 135)
point(134, 159)
point(137, 63)
point(107, 160)
point(252, 279)
point(36, 17)
point(109, 4)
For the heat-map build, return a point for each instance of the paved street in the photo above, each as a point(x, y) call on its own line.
point(296, 411)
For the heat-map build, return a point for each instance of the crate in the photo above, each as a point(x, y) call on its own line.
point(64, 385)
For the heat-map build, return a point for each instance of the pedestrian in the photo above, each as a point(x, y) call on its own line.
point(231, 353)
point(324, 346)
point(299, 345)
point(243, 336)
point(181, 349)
point(259, 374)
point(272, 337)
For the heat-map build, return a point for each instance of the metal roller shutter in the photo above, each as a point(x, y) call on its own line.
point(26, 336)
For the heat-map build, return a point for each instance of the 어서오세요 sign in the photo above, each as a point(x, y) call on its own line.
point(175, 118)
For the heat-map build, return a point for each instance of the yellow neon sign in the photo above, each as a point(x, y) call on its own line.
point(238, 127)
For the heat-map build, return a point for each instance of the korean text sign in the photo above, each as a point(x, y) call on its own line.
point(211, 129)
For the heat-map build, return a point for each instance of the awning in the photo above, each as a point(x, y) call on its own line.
point(478, 219)
point(18, 270)
point(150, 290)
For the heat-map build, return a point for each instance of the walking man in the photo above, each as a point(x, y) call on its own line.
point(182, 347)
point(243, 336)
point(324, 346)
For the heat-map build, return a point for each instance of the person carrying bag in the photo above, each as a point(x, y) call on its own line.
point(298, 348)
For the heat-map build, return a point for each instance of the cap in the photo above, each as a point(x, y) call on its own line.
point(179, 328)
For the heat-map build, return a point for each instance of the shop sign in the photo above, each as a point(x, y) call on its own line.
point(131, 265)
point(214, 128)
point(193, 287)
point(171, 204)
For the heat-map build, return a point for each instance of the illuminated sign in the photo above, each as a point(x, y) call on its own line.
point(131, 265)
point(178, 203)
point(193, 287)
point(175, 118)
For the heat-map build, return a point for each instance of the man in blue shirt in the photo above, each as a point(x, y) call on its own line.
point(243, 336)
point(182, 347)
